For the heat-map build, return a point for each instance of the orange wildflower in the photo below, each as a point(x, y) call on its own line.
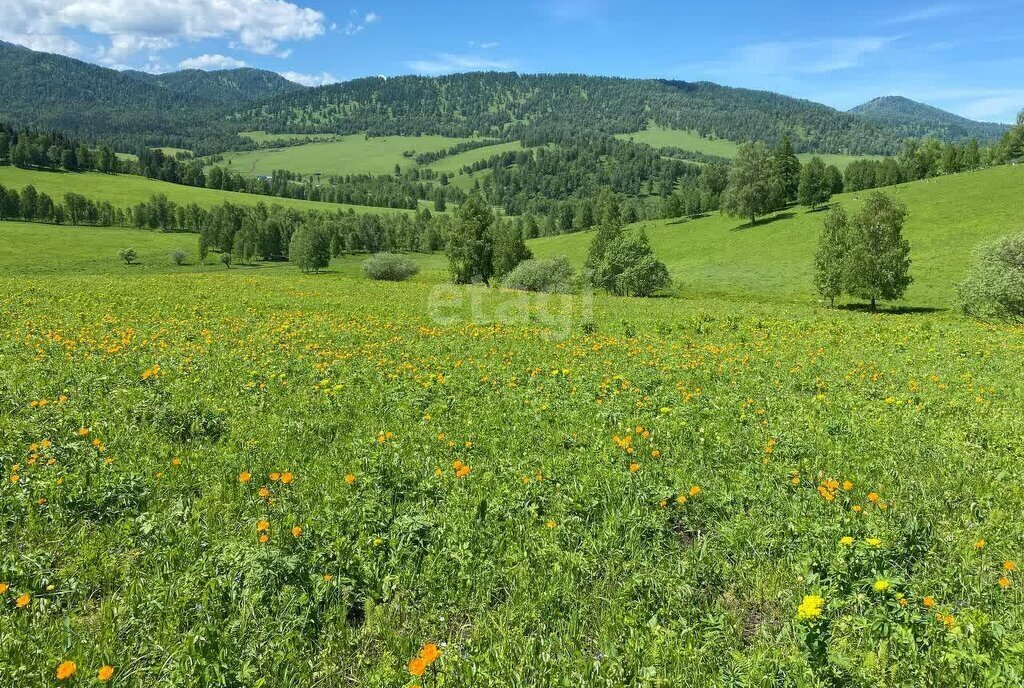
point(105, 673)
point(66, 670)
point(23, 600)
point(287, 478)
point(244, 477)
point(417, 666)
point(350, 479)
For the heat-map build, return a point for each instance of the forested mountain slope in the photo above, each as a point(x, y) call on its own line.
point(919, 120)
point(227, 87)
point(545, 108)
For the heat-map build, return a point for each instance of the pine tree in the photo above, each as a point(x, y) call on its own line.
point(787, 167)
point(608, 231)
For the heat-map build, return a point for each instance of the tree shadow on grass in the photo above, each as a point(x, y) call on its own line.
point(892, 310)
point(766, 221)
point(687, 218)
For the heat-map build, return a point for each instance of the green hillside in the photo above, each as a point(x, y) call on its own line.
point(661, 137)
point(355, 154)
point(924, 120)
point(948, 217)
point(127, 190)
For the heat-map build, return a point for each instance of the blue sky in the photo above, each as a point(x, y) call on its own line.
point(966, 56)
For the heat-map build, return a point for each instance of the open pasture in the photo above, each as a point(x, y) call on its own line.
point(223, 479)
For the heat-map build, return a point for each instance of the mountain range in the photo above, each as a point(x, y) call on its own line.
point(204, 111)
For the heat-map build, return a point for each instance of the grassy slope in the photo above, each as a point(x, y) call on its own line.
point(692, 141)
point(127, 190)
point(348, 155)
point(948, 218)
point(453, 163)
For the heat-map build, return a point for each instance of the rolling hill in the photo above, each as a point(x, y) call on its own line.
point(921, 120)
point(719, 255)
point(128, 110)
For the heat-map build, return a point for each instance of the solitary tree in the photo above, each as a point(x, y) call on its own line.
point(310, 249)
point(830, 260)
point(878, 262)
point(471, 242)
point(754, 185)
point(609, 230)
point(128, 255)
point(814, 184)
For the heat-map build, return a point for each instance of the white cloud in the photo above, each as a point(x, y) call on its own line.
point(208, 62)
point(818, 56)
point(939, 11)
point(447, 63)
point(256, 25)
point(322, 79)
point(484, 46)
point(355, 25)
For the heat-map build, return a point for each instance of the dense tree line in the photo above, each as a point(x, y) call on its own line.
point(532, 179)
point(27, 148)
point(433, 156)
point(918, 160)
point(31, 205)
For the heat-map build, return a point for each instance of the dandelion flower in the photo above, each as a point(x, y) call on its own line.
point(928, 601)
point(430, 653)
point(1009, 566)
point(873, 497)
point(244, 477)
point(274, 477)
point(264, 492)
point(264, 539)
point(880, 585)
point(846, 541)
point(23, 600)
point(694, 491)
point(3, 588)
point(980, 544)
point(874, 542)
point(350, 479)
point(810, 608)
point(287, 478)
point(1004, 582)
point(263, 525)
point(417, 666)
point(551, 524)
point(66, 670)
point(296, 531)
point(105, 673)
point(634, 467)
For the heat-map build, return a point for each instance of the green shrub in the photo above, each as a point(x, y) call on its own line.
point(128, 255)
point(553, 275)
point(388, 267)
point(179, 257)
point(995, 288)
point(631, 269)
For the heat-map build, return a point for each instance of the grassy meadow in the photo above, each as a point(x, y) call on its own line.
point(660, 137)
point(355, 154)
point(127, 190)
point(256, 477)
